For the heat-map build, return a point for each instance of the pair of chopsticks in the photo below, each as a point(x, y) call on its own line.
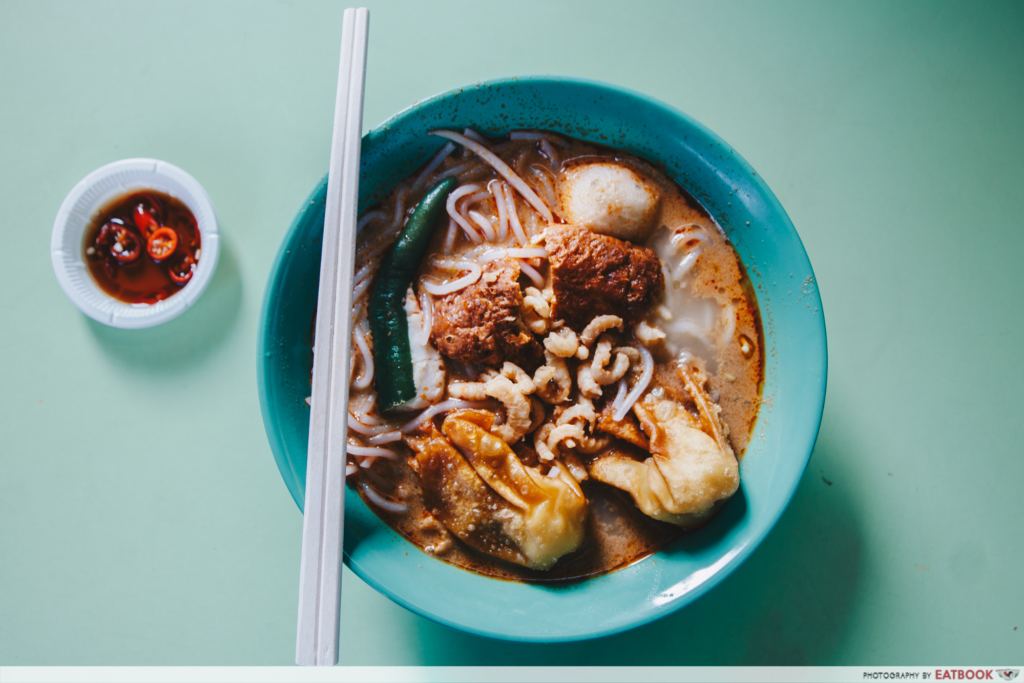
point(323, 521)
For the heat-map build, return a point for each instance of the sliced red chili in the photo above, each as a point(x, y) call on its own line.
point(162, 243)
point(181, 269)
point(145, 219)
point(119, 242)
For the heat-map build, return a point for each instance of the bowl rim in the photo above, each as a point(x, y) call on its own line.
point(85, 293)
point(732, 559)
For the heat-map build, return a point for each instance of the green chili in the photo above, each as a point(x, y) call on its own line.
point(388, 323)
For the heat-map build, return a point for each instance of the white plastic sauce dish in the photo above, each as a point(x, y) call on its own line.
point(92, 194)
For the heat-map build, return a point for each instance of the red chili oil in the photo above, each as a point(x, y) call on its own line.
point(142, 247)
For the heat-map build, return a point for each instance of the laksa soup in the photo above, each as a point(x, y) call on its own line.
point(557, 358)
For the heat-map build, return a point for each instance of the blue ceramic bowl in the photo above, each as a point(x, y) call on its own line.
point(795, 358)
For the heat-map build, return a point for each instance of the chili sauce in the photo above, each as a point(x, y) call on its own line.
point(142, 247)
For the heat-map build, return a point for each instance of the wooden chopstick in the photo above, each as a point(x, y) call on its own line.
point(316, 641)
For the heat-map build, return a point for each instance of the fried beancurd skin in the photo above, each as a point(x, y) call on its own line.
point(553, 510)
point(459, 498)
point(627, 429)
point(487, 497)
point(481, 324)
point(596, 275)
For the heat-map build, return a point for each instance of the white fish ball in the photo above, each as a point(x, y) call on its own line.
point(610, 199)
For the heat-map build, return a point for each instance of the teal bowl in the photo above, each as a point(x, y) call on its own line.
point(795, 362)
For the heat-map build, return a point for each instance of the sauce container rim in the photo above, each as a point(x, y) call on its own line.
point(78, 209)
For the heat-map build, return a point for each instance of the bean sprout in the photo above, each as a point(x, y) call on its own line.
point(441, 290)
point(502, 168)
point(473, 135)
point(436, 161)
point(361, 288)
point(529, 252)
point(621, 395)
point(684, 237)
point(513, 215)
point(355, 449)
point(525, 135)
point(463, 223)
point(470, 200)
point(366, 404)
point(357, 426)
point(687, 264)
point(499, 202)
point(449, 264)
point(443, 407)
point(485, 225)
point(548, 150)
point(377, 215)
point(378, 247)
point(532, 273)
point(382, 502)
point(687, 326)
point(363, 272)
point(385, 437)
point(368, 419)
point(396, 219)
point(492, 255)
point(638, 388)
point(461, 168)
point(536, 136)
point(350, 469)
point(544, 176)
point(364, 350)
point(449, 240)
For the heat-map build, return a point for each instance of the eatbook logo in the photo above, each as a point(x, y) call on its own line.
point(1007, 674)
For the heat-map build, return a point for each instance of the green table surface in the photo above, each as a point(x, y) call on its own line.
point(142, 518)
